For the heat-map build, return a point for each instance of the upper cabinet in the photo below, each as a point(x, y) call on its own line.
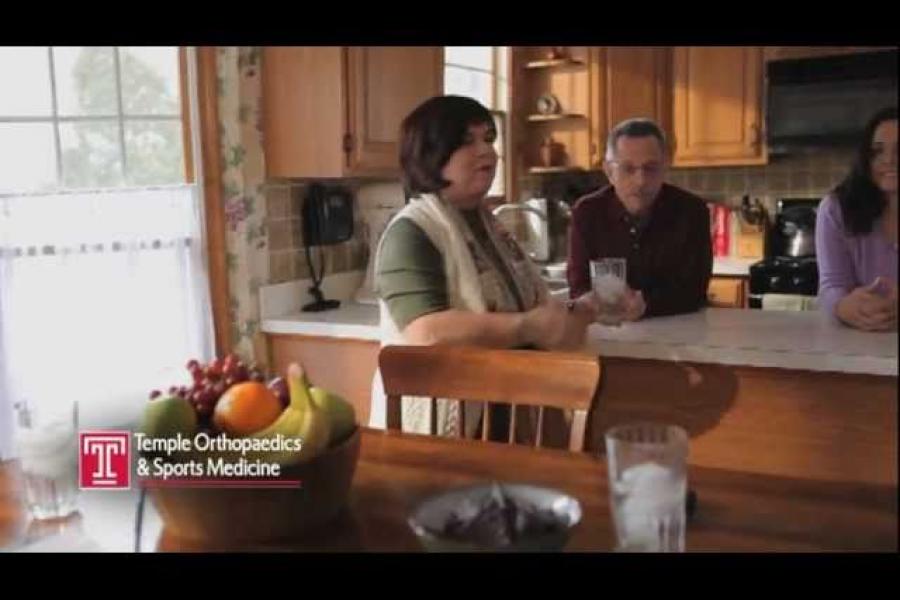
point(336, 111)
point(632, 82)
point(717, 106)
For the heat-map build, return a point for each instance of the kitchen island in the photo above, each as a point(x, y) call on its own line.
point(778, 393)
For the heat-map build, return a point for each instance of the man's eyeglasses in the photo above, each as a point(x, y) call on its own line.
point(629, 170)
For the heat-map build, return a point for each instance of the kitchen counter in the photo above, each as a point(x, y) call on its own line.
point(732, 267)
point(352, 320)
point(778, 339)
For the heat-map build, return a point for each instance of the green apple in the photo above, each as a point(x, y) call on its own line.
point(341, 416)
point(169, 416)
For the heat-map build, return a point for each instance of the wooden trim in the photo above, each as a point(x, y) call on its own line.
point(212, 196)
point(185, 95)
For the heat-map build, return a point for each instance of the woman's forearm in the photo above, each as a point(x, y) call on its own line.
point(492, 330)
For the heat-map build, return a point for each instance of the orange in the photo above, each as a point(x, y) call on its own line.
point(246, 408)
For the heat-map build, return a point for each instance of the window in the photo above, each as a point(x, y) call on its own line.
point(102, 267)
point(90, 117)
point(481, 72)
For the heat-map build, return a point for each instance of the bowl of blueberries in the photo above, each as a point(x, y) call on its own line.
point(496, 517)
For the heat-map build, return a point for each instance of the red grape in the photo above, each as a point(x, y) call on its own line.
point(155, 394)
point(192, 365)
point(256, 374)
point(219, 389)
point(204, 409)
point(280, 389)
point(173, 390)
point(229, 381)
point(211, 374)
point(240, 373)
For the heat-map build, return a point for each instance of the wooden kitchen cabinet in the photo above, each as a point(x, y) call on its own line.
point(632, 82)
point(343, 366)
point(727, 292)
point(597, 87)
point(336, 111)
point(717, 106)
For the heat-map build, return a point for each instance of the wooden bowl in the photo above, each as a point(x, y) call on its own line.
point(261, 514)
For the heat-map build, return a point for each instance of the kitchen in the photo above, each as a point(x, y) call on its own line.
point(750, 378)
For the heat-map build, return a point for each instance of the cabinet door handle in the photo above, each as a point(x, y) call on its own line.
point(754, 134)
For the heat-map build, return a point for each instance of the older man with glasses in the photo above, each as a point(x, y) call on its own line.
point(662, 231)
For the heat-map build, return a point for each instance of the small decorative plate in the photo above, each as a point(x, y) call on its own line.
point(547, 104)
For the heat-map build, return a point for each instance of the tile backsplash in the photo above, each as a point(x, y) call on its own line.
point(287, 258)
point(812, 173)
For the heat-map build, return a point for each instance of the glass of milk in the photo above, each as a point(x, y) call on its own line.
point(648, 486)
point(46, 441)
point(609, 284)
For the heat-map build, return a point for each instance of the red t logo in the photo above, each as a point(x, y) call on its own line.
point(104, 460)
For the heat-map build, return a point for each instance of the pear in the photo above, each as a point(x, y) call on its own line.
point(341, 415)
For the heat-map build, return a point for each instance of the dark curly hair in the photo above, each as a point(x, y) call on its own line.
point(430, 135)
point(862, 202)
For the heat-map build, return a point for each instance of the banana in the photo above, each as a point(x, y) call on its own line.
point(303, 419)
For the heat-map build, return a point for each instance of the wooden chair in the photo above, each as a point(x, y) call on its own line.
point(518, 377)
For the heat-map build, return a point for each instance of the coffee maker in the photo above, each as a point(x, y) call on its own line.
point(790, 272)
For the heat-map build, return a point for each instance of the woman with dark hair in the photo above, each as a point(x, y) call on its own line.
point(446, 272)
point(856, 234)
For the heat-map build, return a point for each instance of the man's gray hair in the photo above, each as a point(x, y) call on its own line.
point(638, 127)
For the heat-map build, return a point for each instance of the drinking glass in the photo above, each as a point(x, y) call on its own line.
point(46, 442)
point(609, 284)
point(648, 486)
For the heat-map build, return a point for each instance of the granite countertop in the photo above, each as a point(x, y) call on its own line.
point(757, 338)
point(804, 340)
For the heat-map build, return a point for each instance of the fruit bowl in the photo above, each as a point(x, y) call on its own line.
point(264, 514)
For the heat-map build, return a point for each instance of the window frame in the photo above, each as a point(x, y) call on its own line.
point(119, 118)
point(499, 81)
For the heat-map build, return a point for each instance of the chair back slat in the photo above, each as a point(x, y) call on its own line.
point(529, 378)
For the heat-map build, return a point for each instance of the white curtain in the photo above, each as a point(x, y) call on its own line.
point(103, 297)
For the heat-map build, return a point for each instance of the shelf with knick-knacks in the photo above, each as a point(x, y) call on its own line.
point(555, 117)
point(552, 98)
point(554, 62)
point(555, 56)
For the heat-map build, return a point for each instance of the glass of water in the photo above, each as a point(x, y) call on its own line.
point(648, 486)
point(46, 441)
point(609, 284)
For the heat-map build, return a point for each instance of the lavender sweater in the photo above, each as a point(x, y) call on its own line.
point(848, 261)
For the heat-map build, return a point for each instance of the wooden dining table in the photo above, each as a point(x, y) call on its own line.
point(735, 511)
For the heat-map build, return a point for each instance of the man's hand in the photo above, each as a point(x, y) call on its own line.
point(635, 307)
point(587, 305)
point(870, 308)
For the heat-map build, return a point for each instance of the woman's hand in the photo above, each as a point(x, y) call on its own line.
point(870, 308)
point(554, 326)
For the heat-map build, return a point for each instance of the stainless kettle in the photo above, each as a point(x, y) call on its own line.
point(796, 226)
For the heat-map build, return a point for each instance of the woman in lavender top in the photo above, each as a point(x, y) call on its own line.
point(856, 234)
